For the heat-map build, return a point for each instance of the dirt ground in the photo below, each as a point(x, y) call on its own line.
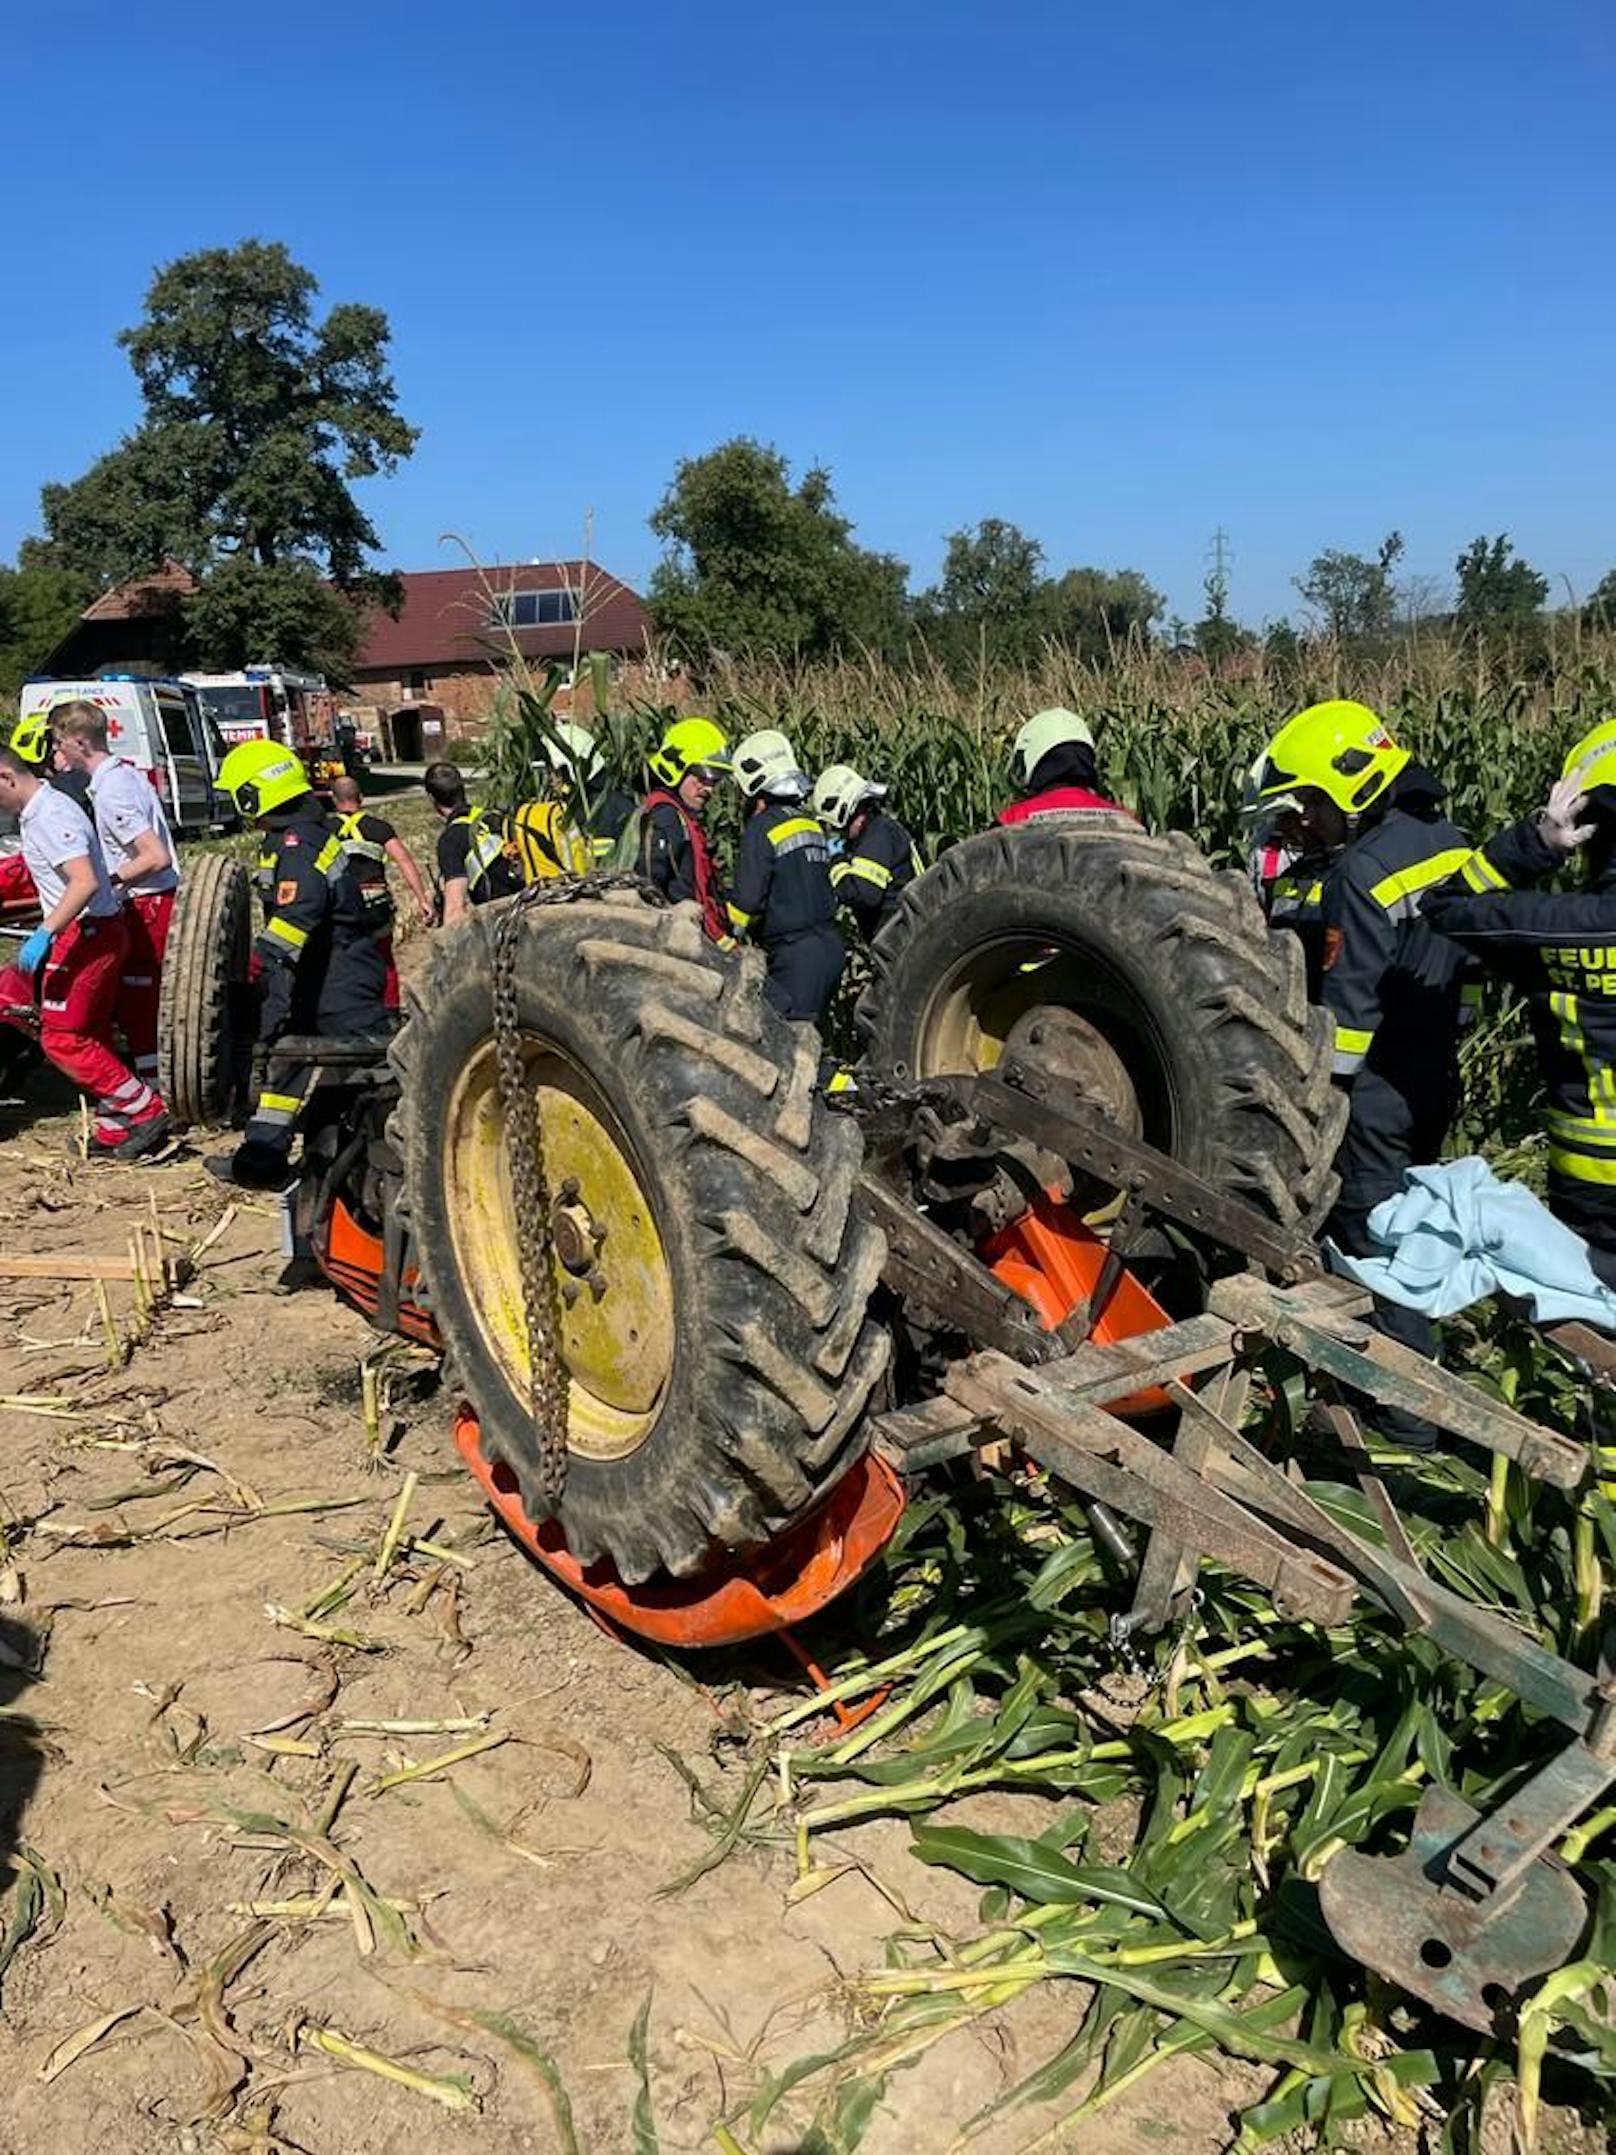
point(168, 1519)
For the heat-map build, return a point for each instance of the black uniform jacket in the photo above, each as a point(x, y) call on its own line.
point(1559, 949)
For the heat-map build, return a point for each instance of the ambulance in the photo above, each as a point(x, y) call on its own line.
point(162, 728)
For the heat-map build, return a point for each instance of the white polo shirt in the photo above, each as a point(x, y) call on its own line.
point(126, 804)
point(55, 831)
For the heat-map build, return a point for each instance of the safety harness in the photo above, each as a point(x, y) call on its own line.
point(714, 915)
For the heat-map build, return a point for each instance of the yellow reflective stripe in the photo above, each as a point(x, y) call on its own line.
point(283, 1102)
point(1581, 1168)
point(1596, 1131)
point(328, 856)
point(1350, 1041)
point(1482, 876)
point(739, 919)
point(1563, 1007)
point(793, 827)
point(871, 871)
point(287, 932)
point(842, 1081)
point(1408, 881)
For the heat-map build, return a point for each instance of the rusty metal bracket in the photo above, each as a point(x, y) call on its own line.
point(1403, 1917)
point(938, 1276)
point(1102, 1457)
point(1318, 1328)
point(1032, 1103)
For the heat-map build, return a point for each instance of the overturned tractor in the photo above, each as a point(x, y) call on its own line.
point(709, 1326)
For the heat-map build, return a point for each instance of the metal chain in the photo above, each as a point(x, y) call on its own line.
point(530, 1186)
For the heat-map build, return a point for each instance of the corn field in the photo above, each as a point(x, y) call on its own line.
point(1175, 740)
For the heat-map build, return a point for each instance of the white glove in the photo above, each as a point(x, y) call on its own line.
point(1562, 823)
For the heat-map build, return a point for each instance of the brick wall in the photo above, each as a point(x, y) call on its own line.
point(465, 692)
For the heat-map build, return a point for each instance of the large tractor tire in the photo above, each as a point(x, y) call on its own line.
point(715, 1276)
point(202, 1048)
point(1176, 1007)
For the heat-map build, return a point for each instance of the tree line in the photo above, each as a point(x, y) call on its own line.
point(258, 414)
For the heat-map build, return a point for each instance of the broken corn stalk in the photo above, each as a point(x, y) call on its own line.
point(453, 2091)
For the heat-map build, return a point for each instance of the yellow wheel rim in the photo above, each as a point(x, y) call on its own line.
point(616, 1288)
point(995, 995)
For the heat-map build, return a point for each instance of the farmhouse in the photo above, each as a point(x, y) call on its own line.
point(457, 627)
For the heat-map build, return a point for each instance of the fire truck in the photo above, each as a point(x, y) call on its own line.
point(274, 703)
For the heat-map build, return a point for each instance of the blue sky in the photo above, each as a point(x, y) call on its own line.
point(1122, 276)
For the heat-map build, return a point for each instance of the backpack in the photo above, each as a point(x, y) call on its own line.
point(544, 843)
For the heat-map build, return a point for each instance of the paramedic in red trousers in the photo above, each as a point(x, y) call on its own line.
point(1053, 769)
point(139, 852)
point(78, 952)
point(33, 740)
point(369, 842)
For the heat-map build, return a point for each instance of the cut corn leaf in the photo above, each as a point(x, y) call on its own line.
point(645, 2131)
point(1033, 1869)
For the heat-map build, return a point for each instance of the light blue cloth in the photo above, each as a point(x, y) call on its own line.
point(1455, 1234)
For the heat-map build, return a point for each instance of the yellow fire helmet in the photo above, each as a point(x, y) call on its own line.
point(690, 744)
point(31, 737)
point(262, 775)
point(840, 792)
point(1593, 761)
point(1341, 749)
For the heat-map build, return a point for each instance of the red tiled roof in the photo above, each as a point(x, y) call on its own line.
point(138, 595)
point(445, 618)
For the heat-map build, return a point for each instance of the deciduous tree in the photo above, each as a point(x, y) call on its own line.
point(1497, 593)
point(258, 418)
point(1353, 595)
point(755, 563)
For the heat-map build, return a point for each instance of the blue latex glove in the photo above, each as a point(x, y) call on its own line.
point(35, 951)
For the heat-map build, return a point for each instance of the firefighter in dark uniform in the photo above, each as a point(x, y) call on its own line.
point(878, 860)
point(1559, 949)
point(369, 842)
point(599, 811)
point(477, 861)
point(1390, 982)
point(783, 897)
point(315, 957)
point(675, 853)
point(1287, 870)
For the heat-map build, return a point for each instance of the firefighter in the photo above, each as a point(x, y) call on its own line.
point(1053, 769)
point(78, 953)
point(476, 859)
point(1559, 949)
point(783, 897)
point(369, 842)
point(598, 810)
point(878, 858)
point(318, 966)
point(1390, 983)
point(675, 853)
point(1287, 870)
point(139, 851)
